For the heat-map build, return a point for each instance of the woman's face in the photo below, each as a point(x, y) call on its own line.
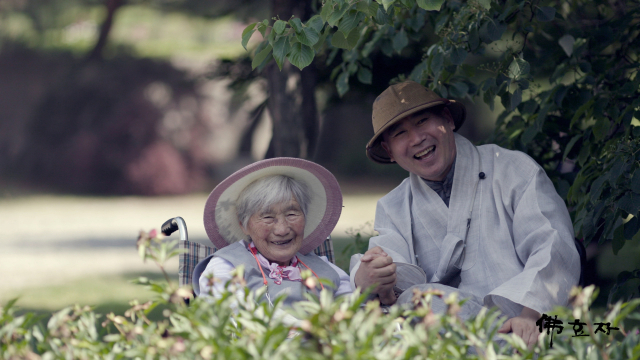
point(278, 232)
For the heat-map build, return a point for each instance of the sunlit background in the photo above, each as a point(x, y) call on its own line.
point(102, 139)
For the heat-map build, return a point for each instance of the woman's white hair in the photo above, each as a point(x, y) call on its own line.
point(265, 192)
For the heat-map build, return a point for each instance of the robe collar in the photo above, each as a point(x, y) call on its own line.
point(447, 225)
point(443, 188)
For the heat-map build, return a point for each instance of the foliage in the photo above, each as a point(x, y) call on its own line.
point(566, 73)
point(235, 326)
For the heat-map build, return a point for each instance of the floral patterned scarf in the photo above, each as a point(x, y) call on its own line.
point(291, 272)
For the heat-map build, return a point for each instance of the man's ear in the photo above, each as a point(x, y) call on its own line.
point(386, 147)
point(448, 117)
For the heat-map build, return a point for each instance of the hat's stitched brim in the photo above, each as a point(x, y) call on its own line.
point(377, 153)
point(221, 221)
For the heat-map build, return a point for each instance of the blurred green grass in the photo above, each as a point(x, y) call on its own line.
point(105, 294)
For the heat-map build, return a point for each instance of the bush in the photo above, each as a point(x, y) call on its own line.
point(236, 327)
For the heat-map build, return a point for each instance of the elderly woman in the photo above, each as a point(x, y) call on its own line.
point(269, 217)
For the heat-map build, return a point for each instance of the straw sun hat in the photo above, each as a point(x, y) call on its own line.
point(324, 208)
point(399, 101)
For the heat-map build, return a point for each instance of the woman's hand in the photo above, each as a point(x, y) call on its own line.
point(524, 326)
point(377, 268)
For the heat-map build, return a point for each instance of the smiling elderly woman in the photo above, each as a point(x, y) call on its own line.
point(269, 216)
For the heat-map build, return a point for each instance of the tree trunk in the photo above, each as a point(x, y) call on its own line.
point(105, 29)
point(292, 102)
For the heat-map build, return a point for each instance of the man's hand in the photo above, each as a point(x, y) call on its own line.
point(523, 326)
point(377, 268)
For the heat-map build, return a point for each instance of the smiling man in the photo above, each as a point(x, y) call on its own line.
point(485, 222)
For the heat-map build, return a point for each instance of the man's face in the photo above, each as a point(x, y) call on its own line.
point(423, 143)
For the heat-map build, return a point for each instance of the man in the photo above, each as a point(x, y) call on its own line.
point(484, 221)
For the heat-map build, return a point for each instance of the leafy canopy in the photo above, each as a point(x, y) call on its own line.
point(565, 72)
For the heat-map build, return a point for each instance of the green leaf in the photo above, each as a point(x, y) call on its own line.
point(350, 21)
point(386, 3)
point(280, 50)
point(631, 228)
point(381, 17)
point(618, 239)
point(601, 128)
point(566, 42)
point(296, 24)
point(442, 90)
point(630, 203)
point(272, 37)
point(368, 8)
point(418, 71)
point(585, 67)
point(570, 146)
point(441, 21)
point(489, 98)
point(336, 16)
point(279, 26)
point(437, 59)
point(316, 23)
point(352, 68)
point(308, 36)
point(516, 99)
point(616, 171)
point(529, 107)
point(635, 182)
point(262, 28)
point(301, 55)
point(370, 45)
point(327, 10)
point(518, 68)
point(246, 34)
point(322, 39)
point(486, 4)
point(511, 101)
point(458, 89)
point(596, 187)
point(400, 40)
point(261, 56)
point(338, 40)
point(373, 9)
point(342, 84)
point(529, 133)
point(585, 153)
point(474, 38)
point(490, 31)
point(545, 13)
point(364, 75)
point(458, 55)
point(430, 5)
point(560, 93)
point(580, 113)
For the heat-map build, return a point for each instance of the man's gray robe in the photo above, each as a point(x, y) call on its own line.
point(519, 251)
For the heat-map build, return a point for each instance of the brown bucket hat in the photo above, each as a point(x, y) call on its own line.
point(399, 101)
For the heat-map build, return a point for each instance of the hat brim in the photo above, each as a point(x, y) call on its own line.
point(220, 218)
point(377, 153)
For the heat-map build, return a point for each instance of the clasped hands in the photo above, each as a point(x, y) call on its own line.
point(377, 269)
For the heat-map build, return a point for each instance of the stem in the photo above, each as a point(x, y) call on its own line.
point(166, 276)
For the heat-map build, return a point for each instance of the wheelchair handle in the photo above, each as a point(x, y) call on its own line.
point(173, 224)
